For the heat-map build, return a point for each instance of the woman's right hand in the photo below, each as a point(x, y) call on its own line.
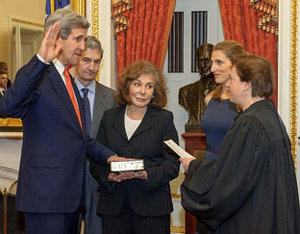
point(119, 177)
point(186, 163)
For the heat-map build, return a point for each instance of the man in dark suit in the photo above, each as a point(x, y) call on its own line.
point(4, 68)
point(52, 168)
point(3, 83)
point(3, 87)
point(100, 98)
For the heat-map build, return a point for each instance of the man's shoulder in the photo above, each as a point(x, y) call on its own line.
point(119, 110)
point(104, 88)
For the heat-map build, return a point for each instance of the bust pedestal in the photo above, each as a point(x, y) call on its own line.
point(193, 128)
point(195, 144)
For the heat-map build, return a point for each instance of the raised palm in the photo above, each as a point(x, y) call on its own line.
point(50, 47)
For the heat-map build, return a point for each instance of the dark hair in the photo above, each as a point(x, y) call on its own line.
point(205, 46)
point(3, 67)
point(134, 71)
point(94, 44)
point(259, 72)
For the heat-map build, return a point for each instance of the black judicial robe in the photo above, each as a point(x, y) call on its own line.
point(251, 188)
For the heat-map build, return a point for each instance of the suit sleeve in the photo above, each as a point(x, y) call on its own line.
point(168, 169)
point(98, 171)
point(97, 151)
point(24, 90)
point(215, 190)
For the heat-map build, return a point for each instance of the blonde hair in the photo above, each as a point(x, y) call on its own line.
point(233, 51)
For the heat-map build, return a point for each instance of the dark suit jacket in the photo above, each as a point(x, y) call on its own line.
point(1, 96)
point(54, 147)
point(147, 198)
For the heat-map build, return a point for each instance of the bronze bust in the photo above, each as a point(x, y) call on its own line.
point(192, 96)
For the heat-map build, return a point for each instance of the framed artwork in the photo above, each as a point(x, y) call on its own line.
point(10, 125)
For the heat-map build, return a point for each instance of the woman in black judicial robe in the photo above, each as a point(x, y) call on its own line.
point(251, 188)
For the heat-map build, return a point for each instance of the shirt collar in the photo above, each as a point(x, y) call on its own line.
point(60, 67)
point(91, 87)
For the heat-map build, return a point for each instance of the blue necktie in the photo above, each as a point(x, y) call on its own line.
point(87, 110)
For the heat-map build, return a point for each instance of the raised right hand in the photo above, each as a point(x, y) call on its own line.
point(50, 47)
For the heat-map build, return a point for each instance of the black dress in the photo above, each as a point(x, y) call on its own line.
point(251, 187)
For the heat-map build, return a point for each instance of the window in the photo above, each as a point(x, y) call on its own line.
point(199, 35)
point(175, 48)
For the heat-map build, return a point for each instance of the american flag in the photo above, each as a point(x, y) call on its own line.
point(52, 5)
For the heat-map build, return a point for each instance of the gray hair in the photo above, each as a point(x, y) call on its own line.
point(68, 20)
point(94, 44)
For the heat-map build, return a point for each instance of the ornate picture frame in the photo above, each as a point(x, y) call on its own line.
point(293, 75)
point(11, 125)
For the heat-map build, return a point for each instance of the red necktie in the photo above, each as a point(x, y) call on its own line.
point(72, 96)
